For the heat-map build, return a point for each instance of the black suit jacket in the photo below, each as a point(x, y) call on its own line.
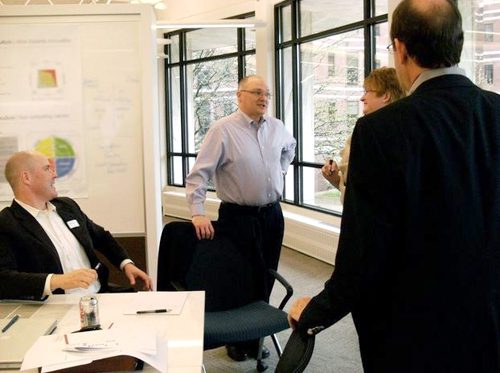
point(27, 254)
point(418, 262)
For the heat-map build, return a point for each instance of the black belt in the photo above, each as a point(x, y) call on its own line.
point(233, 207)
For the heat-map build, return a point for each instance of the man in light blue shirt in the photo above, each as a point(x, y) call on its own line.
point(247, 155)
point(246, 152)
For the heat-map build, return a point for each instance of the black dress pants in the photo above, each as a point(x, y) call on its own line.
point(258, 231)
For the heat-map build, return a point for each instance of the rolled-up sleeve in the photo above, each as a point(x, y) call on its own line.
point(288, 152)
point(203, 170)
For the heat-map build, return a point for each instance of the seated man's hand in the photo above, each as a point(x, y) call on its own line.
point(203, 226)
point(133, 273)
point(80, 278)
point(296, 310)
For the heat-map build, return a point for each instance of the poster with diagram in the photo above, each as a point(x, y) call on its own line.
point(41, 100)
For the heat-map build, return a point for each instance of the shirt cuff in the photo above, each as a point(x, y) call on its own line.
point(125, 262)
point(197, 209)
point(46, 289)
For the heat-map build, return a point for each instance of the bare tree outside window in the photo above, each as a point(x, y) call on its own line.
point(202, 78)
point(214, 91)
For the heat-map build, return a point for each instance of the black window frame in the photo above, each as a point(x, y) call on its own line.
point(182, 64)
point(368, 24)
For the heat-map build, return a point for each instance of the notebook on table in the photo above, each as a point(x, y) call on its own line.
point(19, 337)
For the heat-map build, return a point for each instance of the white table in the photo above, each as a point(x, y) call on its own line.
point(184, 332)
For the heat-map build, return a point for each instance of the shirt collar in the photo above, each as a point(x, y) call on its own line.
point(434, 73)
point(250, 121)
point(33, 210)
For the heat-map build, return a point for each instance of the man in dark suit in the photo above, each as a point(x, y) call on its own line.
point(418, 262)
point(47, 243)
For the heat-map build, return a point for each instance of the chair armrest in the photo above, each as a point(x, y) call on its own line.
point(297, 353)
point(115, 288)
point(286, 285)
point(177, 286)
point(289, 289)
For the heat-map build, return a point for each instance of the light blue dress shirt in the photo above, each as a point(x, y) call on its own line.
point(246, 161)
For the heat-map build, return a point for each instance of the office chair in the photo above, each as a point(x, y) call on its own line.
point(233, 313)
point(297, 353)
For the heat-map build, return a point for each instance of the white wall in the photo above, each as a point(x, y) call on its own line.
point(196, 10)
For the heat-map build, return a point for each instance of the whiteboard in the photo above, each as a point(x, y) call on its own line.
point(84, 77)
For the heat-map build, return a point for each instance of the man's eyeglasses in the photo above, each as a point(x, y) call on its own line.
point(390, 48)
point(370, 90)
point(257, 93)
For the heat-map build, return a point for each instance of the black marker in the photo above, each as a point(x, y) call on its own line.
point(161, 310)
point(10, 323)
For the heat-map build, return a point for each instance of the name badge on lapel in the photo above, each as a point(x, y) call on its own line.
point(72, 224)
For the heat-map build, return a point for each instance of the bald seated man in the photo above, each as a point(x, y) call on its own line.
point(47, 244)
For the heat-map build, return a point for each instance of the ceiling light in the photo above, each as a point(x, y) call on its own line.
point(223, 23)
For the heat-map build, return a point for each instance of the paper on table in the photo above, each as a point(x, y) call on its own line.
point(50, 368)
point(50, 350)
point(159, 300)
point(157, 361)
point(91, 341)
point(141, 340)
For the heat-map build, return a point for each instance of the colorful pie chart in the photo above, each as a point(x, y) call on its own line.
point(59, 150)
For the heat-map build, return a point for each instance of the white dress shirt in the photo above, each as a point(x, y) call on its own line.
point(71, 253)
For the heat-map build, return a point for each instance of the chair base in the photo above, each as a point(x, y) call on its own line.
point(261, 366)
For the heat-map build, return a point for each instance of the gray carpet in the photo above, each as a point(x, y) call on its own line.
point(336, 349)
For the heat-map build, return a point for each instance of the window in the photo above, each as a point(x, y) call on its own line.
point(481, 54)
point(352, 70)
point(331, 64)
point(488, 74)
point(334, 46)
point(488, 32)
point(352, 110)
point(202, 76)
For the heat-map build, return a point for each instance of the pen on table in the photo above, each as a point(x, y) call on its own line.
point(160, 310)
point(110, 325)
point(66, 338)
point(10, 323)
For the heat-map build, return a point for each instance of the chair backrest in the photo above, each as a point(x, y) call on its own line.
point(177, 245)
point(297, 353)
point(228, 269)
point(224, 272)
point(217, 266)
